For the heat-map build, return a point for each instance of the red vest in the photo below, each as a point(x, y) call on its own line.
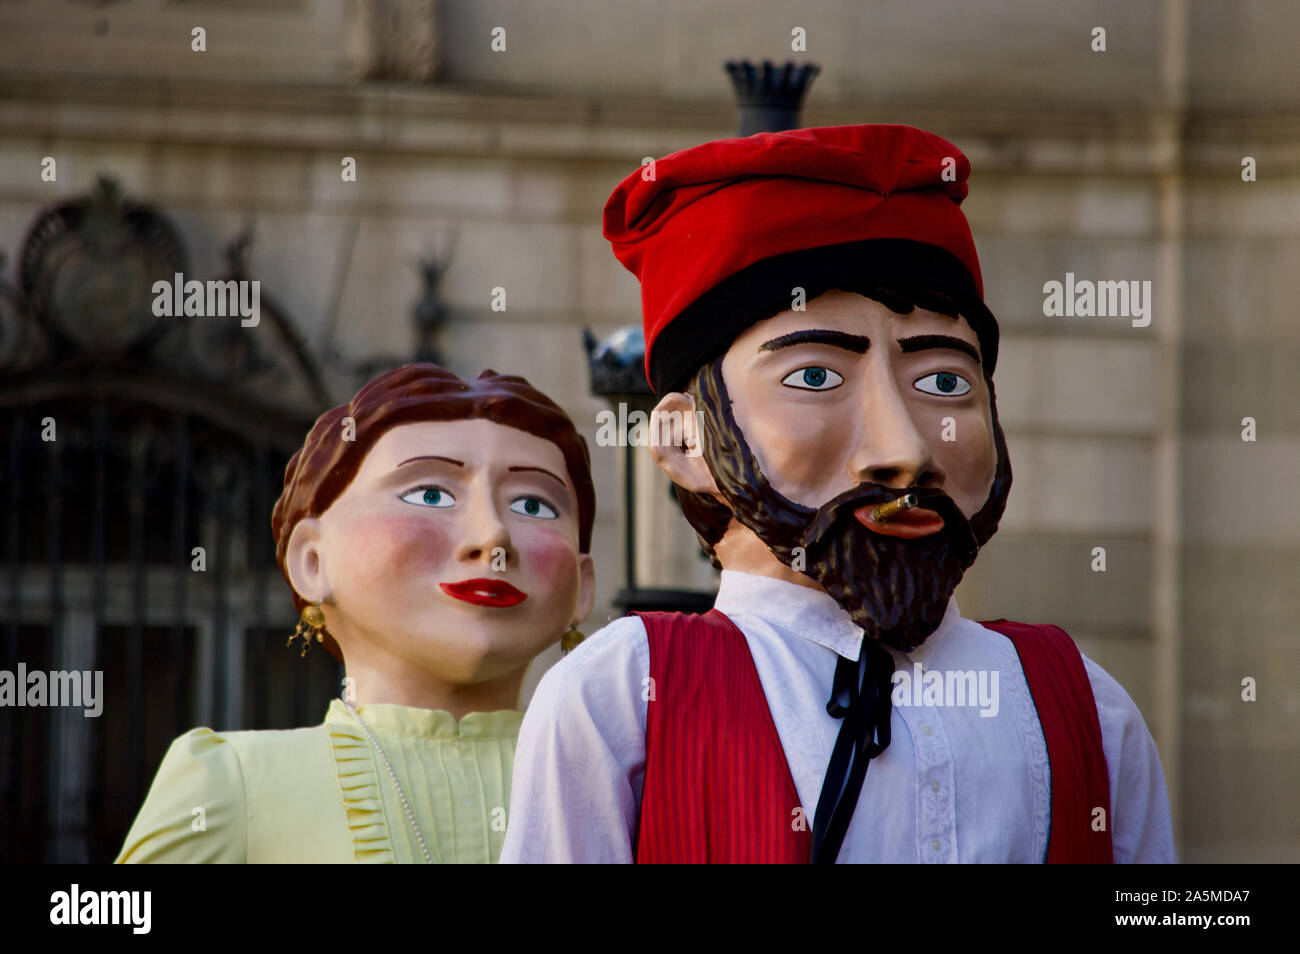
point(717, 786)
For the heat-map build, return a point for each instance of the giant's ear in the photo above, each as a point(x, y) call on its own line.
point(676, 443)
point(304, 561)
point(587, 589)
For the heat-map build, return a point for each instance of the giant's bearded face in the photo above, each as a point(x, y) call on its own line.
point(847, 405)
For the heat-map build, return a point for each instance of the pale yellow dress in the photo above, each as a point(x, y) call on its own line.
point(322, 794)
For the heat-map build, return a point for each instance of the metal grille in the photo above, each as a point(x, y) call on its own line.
point(100, 573)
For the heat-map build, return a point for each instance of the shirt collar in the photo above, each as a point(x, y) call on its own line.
point(809, 613)
point(383, 717)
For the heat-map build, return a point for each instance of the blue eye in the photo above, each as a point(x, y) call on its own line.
point(945, 384)
point(533, 507)
point(813, 379)
point(430, 497)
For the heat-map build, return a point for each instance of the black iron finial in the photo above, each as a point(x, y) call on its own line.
point(769, 96)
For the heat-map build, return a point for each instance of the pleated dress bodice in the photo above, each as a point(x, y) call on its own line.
point(323, 794)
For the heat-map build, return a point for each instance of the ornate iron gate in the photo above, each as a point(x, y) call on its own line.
point(139, 460)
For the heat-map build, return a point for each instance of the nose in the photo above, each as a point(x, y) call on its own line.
point(891, 451)
point(485, 535)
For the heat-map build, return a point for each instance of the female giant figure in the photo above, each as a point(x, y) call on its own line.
point(435, 533)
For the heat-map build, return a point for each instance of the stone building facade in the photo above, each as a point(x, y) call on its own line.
point(490, 132)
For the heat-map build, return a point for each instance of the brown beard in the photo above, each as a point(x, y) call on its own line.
point(896, 589)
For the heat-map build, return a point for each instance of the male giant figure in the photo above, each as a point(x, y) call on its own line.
point(817, 296)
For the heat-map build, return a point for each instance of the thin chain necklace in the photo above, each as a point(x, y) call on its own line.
point(410, 816)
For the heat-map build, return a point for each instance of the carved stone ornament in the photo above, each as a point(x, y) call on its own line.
point(86, 271)
point(394, 39)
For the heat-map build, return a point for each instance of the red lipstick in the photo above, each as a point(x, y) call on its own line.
point(485, 592)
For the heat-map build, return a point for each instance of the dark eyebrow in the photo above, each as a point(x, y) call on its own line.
point(924, 342)
point(858, 344)
point(541, 470)
point(448, 460)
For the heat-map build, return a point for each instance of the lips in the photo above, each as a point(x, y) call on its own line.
point(485, 592)
point(910, 524)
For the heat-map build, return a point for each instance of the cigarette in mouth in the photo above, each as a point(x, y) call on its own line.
point(885, 511)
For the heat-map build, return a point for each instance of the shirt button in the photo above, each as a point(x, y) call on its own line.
point(934, 786)
point(925, 729)
point(935, 844)
point(468, 803)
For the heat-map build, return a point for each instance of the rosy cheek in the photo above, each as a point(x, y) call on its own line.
point(550, 558)
point(378, 545)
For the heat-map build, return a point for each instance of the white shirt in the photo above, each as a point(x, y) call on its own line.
point(954, 785)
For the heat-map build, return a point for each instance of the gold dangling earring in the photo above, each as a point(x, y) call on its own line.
point(310, 623)
point(569, 641)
